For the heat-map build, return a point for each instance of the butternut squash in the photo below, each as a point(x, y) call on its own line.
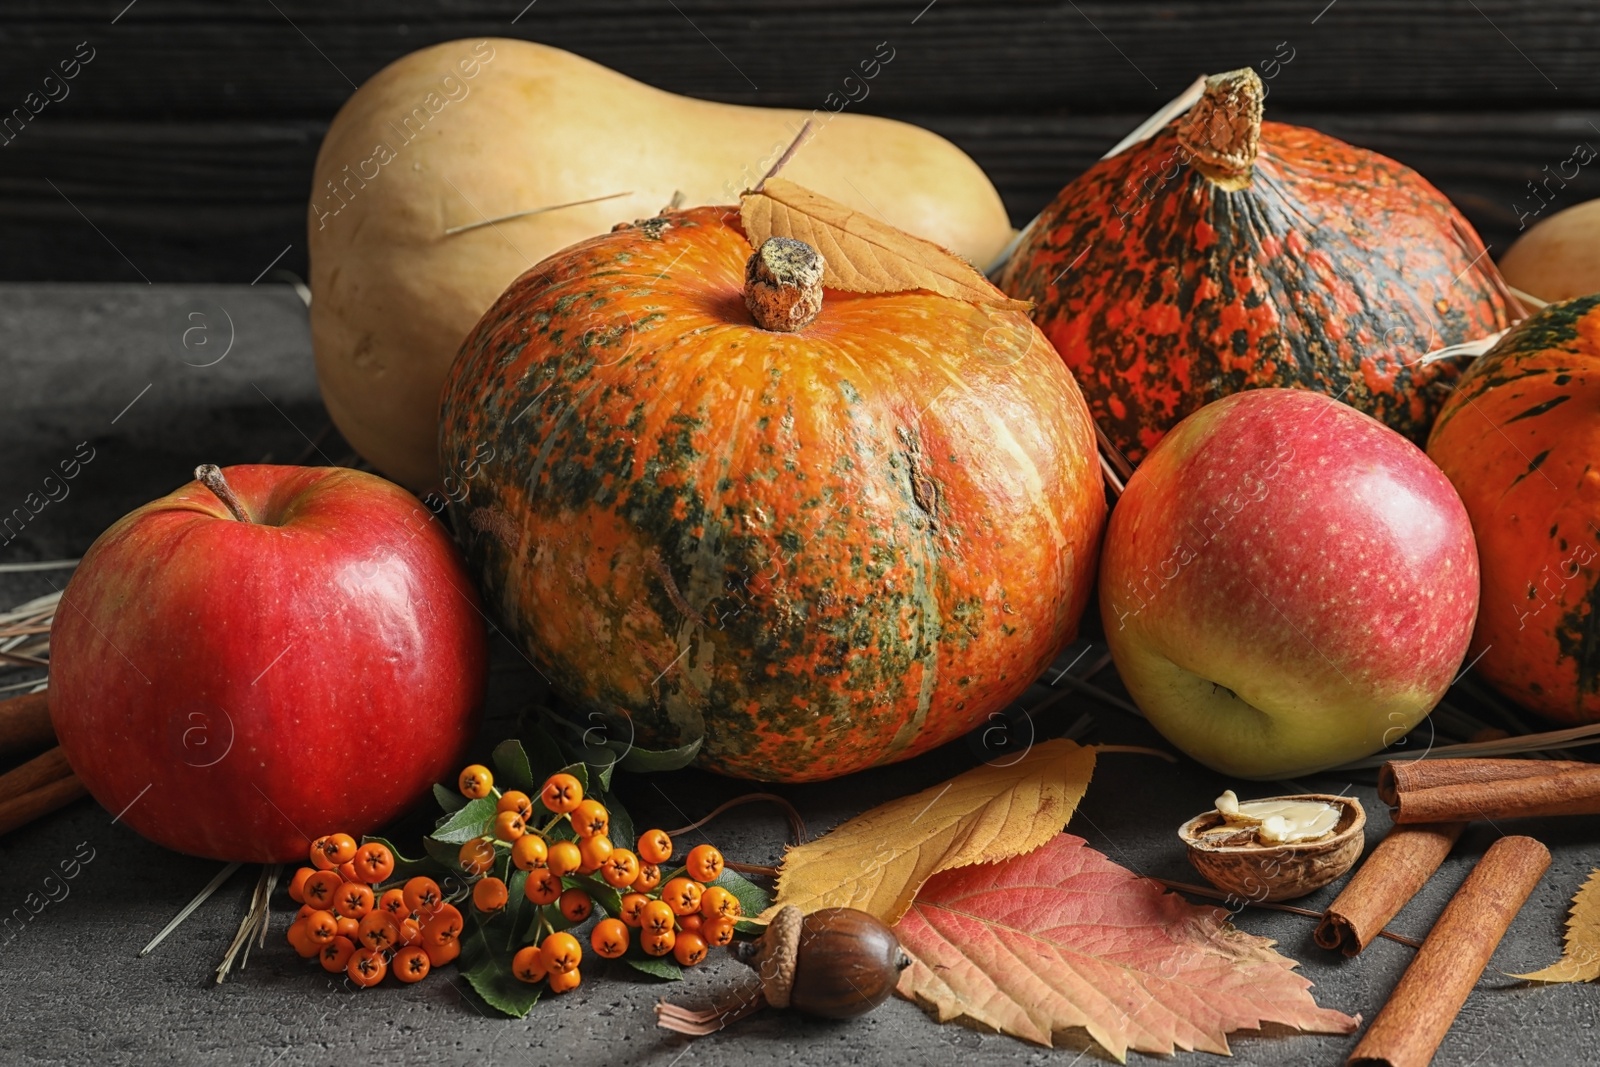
point(469, 131)
point(1560, 257)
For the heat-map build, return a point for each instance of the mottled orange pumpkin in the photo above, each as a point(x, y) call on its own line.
point(1227, 253)
point(1520, 440)
point(814, 551)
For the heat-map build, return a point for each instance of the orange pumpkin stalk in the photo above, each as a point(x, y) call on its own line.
point(816, 550)
point(1227, 253)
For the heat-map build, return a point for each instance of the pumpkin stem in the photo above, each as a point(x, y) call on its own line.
point(783, 284)
point(1222, 132)
point(210, 476)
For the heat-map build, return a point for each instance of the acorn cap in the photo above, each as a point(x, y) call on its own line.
point(774, 958)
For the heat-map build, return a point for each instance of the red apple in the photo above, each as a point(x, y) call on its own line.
point(1287, 584)
point(292, 651)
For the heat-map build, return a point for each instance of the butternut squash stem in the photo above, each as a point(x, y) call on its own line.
point(797, 825)
point(1217, 894)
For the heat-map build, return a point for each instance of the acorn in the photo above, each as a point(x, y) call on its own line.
point(835, 963)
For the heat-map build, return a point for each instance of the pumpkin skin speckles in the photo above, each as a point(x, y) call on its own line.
point(1520, 440)
point(1325, 267)
point(818, 552)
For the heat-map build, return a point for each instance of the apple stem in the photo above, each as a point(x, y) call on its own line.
point(210, 476)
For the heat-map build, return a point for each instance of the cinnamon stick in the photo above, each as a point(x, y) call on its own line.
point(19, 811)
point(1562, 793)
point(1406, 776)
point(41, 770)
point(1424, 1004)
point(1400, 865)
point(25, 724)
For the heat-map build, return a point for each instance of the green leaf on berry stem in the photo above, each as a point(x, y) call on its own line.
point(601, 771)
point(488, 947)
point(474, 820)
point(605, 897)
point(621, 829)
point(448, 799)
point(530, 936)
point(511, 768)
point(594, 742)
point(544, 755)
point(655, 966)
point(649, 761)
point(445, 855)
point(500, 989)
point(753, 900)
point(607, 743)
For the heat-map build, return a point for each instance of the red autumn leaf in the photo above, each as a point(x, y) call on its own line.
point(1062, 937)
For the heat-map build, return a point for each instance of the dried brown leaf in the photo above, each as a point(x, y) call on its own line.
point(862, 254)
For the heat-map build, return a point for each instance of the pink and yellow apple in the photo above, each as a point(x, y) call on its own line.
point(1287, 584)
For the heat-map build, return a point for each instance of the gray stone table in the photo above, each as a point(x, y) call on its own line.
point(157, 379)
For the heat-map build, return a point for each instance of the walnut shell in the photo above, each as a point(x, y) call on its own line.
point(1257, 871)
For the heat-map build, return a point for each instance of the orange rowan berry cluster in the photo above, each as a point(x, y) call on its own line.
point(684, 917)
point(352, 923)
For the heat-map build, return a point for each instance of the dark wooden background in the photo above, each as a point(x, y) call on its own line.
point(184, 149)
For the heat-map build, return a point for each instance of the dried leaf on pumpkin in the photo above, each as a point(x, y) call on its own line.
point(877, 861)
point(863, 255)
point(1580, 959)
point(1063, 938)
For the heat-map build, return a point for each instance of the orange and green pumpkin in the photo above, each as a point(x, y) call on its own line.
point(1520, 440)
point(1225, 253)
point(814, 551)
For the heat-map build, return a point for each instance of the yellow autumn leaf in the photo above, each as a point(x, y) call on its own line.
point(877, 861)
point(1580, 960)
point(861, 254)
